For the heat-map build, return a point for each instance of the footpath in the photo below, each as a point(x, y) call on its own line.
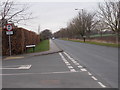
point(53, 49)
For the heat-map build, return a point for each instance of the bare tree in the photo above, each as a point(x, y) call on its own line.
point(9, 11)
point(84, 23)
point(108, 14)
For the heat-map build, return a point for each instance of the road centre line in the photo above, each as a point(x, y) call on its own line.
point(82, 69)
point(89, 73)
point(94, 78)
point(74, 61)
point(101, 84)
point(70, 67)
point(67, 63)
point(80, 66)
point(72, 70)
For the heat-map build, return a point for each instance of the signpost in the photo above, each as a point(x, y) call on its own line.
point(9, 32)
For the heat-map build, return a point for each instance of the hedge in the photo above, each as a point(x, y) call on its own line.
point(20, 38)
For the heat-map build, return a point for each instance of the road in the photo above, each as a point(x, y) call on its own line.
point(101, 60)
point(49, 71)
point(78, 66)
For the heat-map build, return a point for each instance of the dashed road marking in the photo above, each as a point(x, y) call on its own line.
point(89, 73)
point(101, 84)
point(72, 70)
point(77, 64)
point(67, 63)
point(83, 69)
point(70, 67)
point(94, 78)
point(80, 66)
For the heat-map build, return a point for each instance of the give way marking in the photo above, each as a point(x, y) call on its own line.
point(20, 67)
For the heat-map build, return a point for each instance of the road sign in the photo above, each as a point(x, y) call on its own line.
point(9, 32)
point(9, 27)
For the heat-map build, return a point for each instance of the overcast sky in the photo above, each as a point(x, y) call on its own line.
point(55, 14)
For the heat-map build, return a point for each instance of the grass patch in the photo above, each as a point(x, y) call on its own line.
point(96, 43)
point(42, 46)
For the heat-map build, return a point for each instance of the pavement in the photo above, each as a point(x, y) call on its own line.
point(53, 49)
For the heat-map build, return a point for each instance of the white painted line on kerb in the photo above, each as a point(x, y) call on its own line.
point(89, 73)
point(101, 84)
point(94, 78)
point(83, 69)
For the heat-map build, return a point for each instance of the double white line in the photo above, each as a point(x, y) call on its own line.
point(67, 63)
point(79, 66)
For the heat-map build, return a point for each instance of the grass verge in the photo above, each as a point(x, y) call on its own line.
point(96, 43)
point(42, 46)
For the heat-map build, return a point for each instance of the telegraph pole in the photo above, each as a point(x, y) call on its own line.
point(38, 29)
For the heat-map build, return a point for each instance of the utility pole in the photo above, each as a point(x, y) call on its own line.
point(38, 29)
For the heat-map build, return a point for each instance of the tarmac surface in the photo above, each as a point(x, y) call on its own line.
point(51, 69)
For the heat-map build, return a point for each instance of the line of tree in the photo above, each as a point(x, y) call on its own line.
point(85, 23)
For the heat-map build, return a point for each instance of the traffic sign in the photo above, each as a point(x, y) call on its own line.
point(9, 27)
point(9, 32)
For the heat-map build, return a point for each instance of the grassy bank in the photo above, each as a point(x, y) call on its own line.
point(92, 42)
point(42, 46)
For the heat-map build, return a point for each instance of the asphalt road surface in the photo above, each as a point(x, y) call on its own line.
point(58, 70)
point(101, 60)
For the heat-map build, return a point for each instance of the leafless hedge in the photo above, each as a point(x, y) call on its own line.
point(19, 40)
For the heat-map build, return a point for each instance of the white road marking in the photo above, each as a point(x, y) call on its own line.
point(89, 73)
point(19, 67)
point(80, 66)
point(25, 67)
point(77, 64)
point(101, 84)
point(68, 64)
point(94, 78)
point(83, 69)
point(38, 73)
point(72, 70)
point(74, 61)
point(70, 67)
